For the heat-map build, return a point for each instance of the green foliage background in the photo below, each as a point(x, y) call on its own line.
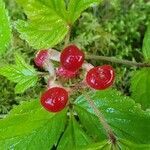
point(115, 28)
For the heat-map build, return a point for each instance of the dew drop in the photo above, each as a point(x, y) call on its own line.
point(110, 110)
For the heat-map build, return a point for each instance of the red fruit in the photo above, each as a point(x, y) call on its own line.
point(62, 72)
point(54, 99)
point(40, 58)
point(100, 77)
point(72, 58)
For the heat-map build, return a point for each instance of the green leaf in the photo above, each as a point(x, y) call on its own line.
point(42, 34)
point(127, 145)
point(5, 31)
point(73, 137)
point(49, 21)
point(146, 44)
point(121, 145)
point(126, 118)
point(104, 145)
point(91, 123)
point(43, 8)
point(23, 74)
point(140, 83)
point(29, 126)
point(46, 26)
point(76, 7)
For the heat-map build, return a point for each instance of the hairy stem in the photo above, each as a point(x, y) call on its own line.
point(101, 118)
point(67, 38)
point(119, 61)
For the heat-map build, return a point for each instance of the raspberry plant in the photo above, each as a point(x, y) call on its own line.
point(79, 108)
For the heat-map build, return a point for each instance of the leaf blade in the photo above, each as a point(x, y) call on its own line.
point(146, 44)
point(74, 136)
point(141, 79)
point(75, 8)
point(31, 128)
point(125, 117)
point(45, 37)
point(121, 144)
point(46, 27)
point(23, 74)
point(5, 30)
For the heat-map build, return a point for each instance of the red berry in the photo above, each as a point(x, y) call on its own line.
point(72, 58)
point(40, 58)
point(62, 72)
point(54, 99)
point(100, 77)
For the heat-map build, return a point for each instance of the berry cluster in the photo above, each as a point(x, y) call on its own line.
point(71, 61)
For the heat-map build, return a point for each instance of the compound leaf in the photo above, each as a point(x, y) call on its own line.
point(125, 117)
point(73, 137)
point(49, 21)
point(23, 74)
point(29, 126)
point(46, 26)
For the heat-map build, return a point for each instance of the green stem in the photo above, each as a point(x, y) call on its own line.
point(101, 118)
point(119, 61)
point(67, 38)
point(42, 74)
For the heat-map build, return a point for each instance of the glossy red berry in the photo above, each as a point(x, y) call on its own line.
point(72, 58)
point(55, 99)
point(100, 77)
point(62, 72)
point(40, 58)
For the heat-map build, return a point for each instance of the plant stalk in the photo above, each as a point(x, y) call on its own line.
point(67, 38)
point(119, 61)
point(102, 119)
